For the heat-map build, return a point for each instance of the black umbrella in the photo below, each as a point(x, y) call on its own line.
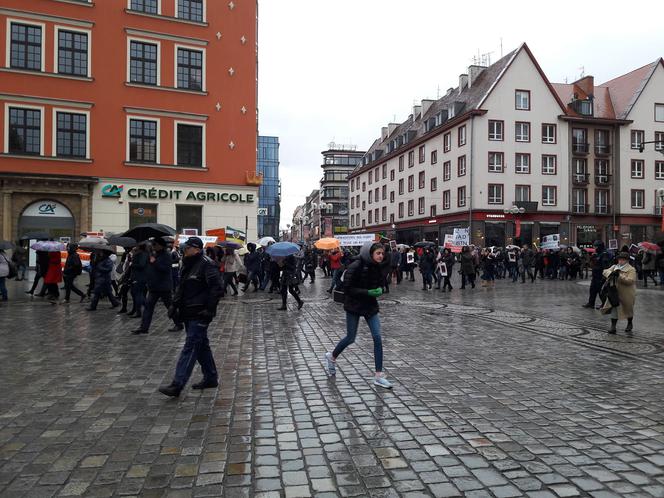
point(425, 243)
point(227, 244)
point(36, 236)
point(5, 244)
point(125, 242)
point(101, 247)
point(143, 232)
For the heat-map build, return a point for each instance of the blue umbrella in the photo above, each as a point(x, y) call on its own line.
point(282, 249)
point(227, 244)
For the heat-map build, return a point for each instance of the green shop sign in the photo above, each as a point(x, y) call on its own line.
point(191, 195)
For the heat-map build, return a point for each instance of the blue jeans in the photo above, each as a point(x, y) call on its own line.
point(352, 322)
point(196, 349)
point(3, 288)
point(21, 271)
point(336, 278)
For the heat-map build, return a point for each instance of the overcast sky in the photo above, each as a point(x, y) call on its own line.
point(340, 70)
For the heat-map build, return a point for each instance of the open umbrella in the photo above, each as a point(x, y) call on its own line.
point(327, 243)
point(227, 244)
point(242, 251)
point(35, 236)
point(649, 246)
point(576, 249)
point(125, 242)
point(425, 243)
point(92, 242)
point(512, 246)
point(265, 241)
point(48, 246)
point(5, 244)
point(101, 247)
point(403, 246)
point(282, 249)
point(146, 230)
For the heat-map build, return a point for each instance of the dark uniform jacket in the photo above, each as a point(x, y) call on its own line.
point(198, 294)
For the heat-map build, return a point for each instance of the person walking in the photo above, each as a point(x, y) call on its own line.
point(53, 276)
point(195, 304)
point(648, 267)
point(20, 259)
point(468, 270)
point(600, 261)
point(335, 269)
point(449, 260)
point(623, 276)
point(231, 263)
point(363, 283)
point(41, 267)
point(527, 262)
point(4, 274)
point(125, 279)
point(73, 268)
point(426, 264)
point(310, 263)
point(289, 281)
point(139, 267)
point(252, 262)
point(160, 285)
point(101, 271)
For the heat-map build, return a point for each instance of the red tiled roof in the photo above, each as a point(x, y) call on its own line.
point(625, 89)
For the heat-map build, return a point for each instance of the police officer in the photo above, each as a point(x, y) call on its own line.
point(600, 261)
point(195, 304)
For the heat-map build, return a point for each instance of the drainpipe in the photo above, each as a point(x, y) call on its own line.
point(470, 187)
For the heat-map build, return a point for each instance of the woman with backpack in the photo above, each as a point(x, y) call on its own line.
point(363, 283)
point(73, 268)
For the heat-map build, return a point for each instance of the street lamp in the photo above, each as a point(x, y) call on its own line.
point(301, 220)
point(660, 194)
point(321, 206)
point(514, 210)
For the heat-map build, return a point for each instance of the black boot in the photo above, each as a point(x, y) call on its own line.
point(300, 303)
point(629, 325)
point(283, 304)
point(614, 322)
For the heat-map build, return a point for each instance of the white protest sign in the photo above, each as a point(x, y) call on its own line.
point(357, 239)
point(551, 241)
point(461, 237)
point(207, 241)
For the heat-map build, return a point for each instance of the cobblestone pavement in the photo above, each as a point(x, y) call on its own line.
point(514, 391)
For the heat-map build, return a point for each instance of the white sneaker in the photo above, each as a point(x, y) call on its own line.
point(331, 364)
point(381, 381)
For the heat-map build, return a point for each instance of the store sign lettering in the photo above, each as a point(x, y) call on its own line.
point(112, 190)
point(154, 193)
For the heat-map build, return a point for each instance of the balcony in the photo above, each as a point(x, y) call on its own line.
point(580, 208)
point(602, 150)
point(580, 148)
point(602, 180)
point(657, 210)
point(580, 179)
point(602, 209)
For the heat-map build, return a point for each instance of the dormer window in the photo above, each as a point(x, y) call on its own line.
point(583, 107)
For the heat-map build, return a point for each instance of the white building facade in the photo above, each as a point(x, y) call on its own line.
point(501, 139)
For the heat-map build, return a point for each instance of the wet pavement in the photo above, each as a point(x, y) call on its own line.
point(513, 391)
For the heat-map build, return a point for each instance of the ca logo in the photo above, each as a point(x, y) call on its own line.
point(47, 209)
point(111, 190)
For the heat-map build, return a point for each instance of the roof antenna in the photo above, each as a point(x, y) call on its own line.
point(583, 71)
point(438, 92)
point(501, 47)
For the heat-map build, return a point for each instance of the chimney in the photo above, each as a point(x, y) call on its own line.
point(449, 91)
point(383, 133)
point(463, 82)
point(391, 127)
point(417, 110)
point(473, 72)
point(587, 84)
point(426, 104)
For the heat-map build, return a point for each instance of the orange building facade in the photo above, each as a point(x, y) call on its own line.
point(117, 112)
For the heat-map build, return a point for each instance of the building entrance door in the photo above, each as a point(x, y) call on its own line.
point(47, 216)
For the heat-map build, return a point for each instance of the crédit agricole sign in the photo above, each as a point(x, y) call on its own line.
point(178, 195)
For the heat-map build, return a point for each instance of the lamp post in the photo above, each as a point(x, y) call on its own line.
point(660, 194)
point(321, 206)
point(515, 210)
point(301, 220)
point(394, 231)
point(290, 234)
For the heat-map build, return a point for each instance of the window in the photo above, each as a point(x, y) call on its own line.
point(420, 205)
point(446, 199)
point(391, 175)
point(548, 195)
point(637, 138)
point(143, 141)
point(522, 193)
point(24, 135)
point(421, 154)
point(376, 174)
point(637, 197)
point(602, 145)
point(189, 216)
point(495, 193)
point(26, 47)
point(352, 202)
point(364, 186)
point(601, 172)
point(400, 163)
point(147, 6)
point(659, 112)
point(637, 169)
point(548, 164)
point(370, 216)
point(370, 196)
point(522, 100)
point(461, 166)
point(143, 63)
point(364, 205)
point(461, 196)
point(383, 193)
point(384, 171)
point(496, 130)
point(522, 164)
point(352, 186)
point(411, 207)
point(461, 135)
point(421, 179)
point(142, 213)
point(370, 177)
point(401, 186)
point(411, 159)
point(432, 210)
point(411, 183)
point(376, 193)
point(447, 171)
point(522, 131)
point(447, 142)
point(602, 201)
point(190, 147)
point(579, 200)
point(71, 134)
point(659, 139)
point(548, 133)
point(190, 69)
point(496, 161)
point(192, 10)
point(659, 170)
point(383, 213)
point(391, 195)
point(434, 183)
point(434, 156)
point(72, 52)
point(401, 210)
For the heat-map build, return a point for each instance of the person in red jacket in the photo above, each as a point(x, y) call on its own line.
point(53, 275)
point(336, 268)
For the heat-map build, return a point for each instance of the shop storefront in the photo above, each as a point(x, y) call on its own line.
point(122, 204)
point(57, 205)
